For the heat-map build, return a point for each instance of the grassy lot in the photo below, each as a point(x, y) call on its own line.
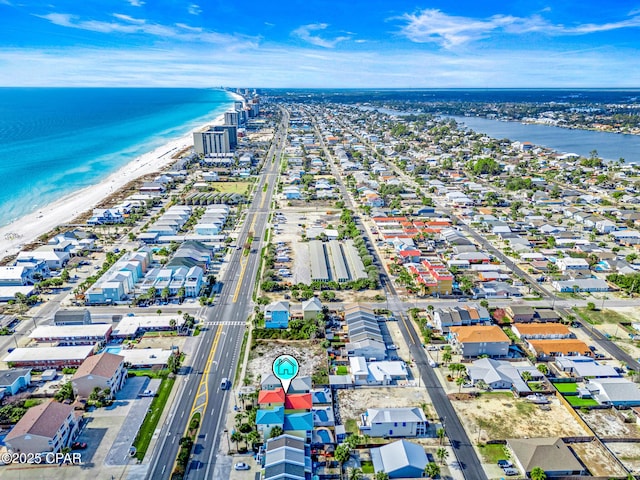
point(598, 317)
point(342, 370)
point(566, 387)
point(581, 402)
point(149, 373)
point(152, 418)
point(351, 426)
point(231, 187)
point(492, 453)
point(367, 466)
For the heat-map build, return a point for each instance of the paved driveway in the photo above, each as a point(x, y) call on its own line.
point(138, 407)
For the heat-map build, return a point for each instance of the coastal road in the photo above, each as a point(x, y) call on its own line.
point(217, 354)
point(463, 449)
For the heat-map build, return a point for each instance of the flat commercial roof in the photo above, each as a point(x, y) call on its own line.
point(145, 356)
point(130, 325)
point(78, 352)
point(356, 267)
point(318, 261)
point(338, 268)
point(72, 331)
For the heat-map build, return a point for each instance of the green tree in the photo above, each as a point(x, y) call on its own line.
point(355, 474)
point(446, 357)
point(276, 432)
point(543, 369)
point(591, 306)
point(65, 393)
point(460, 381)
point(342, 455)
point(440, 433)
point(442, 454)
point(526, 376)
point(381, 476)
point(432, 470)
point(236, 437)
point(537, 473)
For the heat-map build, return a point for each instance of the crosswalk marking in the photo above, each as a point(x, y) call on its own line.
point(225, 323)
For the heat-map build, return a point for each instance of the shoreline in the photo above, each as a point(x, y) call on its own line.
point(30, 227)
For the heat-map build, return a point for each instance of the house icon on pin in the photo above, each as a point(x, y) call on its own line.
point(285, 367)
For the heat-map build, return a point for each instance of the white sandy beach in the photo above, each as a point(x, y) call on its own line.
point(45, 219)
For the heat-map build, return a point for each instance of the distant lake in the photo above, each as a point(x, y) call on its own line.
point(610, 146)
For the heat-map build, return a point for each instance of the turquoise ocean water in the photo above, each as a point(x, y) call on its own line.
point(54, 141)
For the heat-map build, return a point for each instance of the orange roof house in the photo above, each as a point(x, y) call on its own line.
point(557, 348)
point(298, 401)
point(477, 340)
point(271, 397)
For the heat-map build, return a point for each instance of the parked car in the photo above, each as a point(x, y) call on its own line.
point(510, 472)
point(505, 463)
point(241, 466)
point(78, 446)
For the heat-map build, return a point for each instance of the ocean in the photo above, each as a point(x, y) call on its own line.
point(54, 141)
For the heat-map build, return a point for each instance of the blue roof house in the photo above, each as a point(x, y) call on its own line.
point(276, 315)
point(267, 419)
point(299, 424)
point(401, 459)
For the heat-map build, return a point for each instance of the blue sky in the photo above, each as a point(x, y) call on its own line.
point(316, 43)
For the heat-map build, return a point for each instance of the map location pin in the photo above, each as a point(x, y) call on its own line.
point(285, 368)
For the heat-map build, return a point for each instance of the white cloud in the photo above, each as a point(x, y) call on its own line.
point(449, 31)
point(129, 19)
point(126, 24)
point(194, 9)
point(304, 33)
point(302, 67)
point(136, 3)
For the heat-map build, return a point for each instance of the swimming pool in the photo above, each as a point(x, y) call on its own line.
point(114, 350)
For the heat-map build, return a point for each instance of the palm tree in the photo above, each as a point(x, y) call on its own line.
point(342, 455)
point(537, 473)
point(460, 381)
point(446, 357)
point(236, 437)
point(355, 474)
point(526, 376)
point(440, 433)
point(381, 476)
point(276, 432)
point(543, 369)
point(432, 470)
point(442, 454)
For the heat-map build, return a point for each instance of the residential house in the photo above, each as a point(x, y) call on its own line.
point(394, 422)
point(103, 371)
point(470, 314)
point(548, 331)
point(311, 308)
point(520, 313)
point(14, 380)
point(287, 458)
point(616, 392)
point(581, 285)
point(271, 398)
point(581, 367)
point(550, 454)
point(48, 427)
point(474, 341)
point(500, 374)
point(546, 349)
point(276, 315)
point(400, 459)
point(49, 357)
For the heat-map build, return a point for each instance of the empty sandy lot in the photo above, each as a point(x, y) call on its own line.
point(499, 416)
point(310, 355)
point(609, 423)
point(355, 401)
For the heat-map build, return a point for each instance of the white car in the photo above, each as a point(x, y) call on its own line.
point(241, 466)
